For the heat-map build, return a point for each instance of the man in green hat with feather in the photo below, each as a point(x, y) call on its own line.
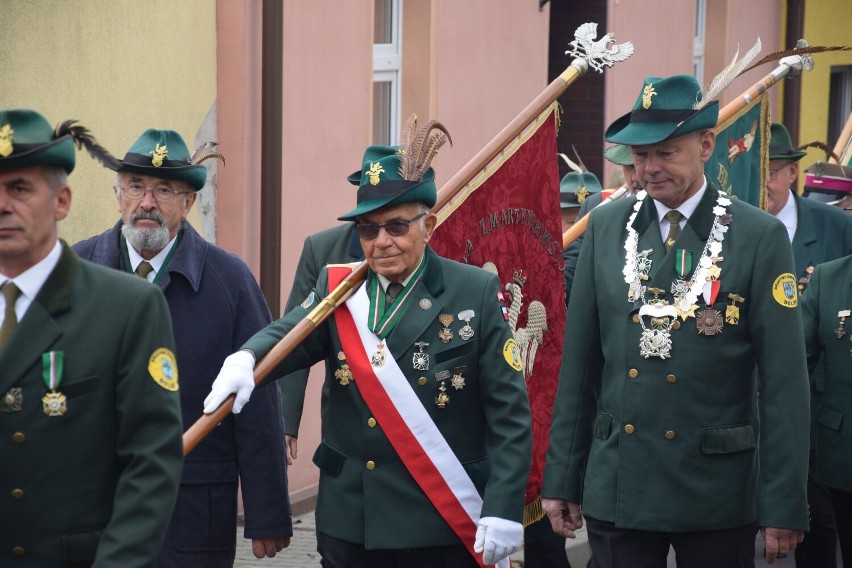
point(90, 425)
point(426, 445)
point(681, 296)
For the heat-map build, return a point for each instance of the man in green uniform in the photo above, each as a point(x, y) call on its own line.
point(332, 246)
point(681, 295)
point(818, 233)
point(426, 448)
point(827, 313)
point(90, 425)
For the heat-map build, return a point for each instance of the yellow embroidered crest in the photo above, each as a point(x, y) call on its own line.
point(784, 290)
point(163, 369)
point(647, 93)
point(7, 136)
point(512, 355)
point(160, 153)
point(374, 171)
point(582, 194)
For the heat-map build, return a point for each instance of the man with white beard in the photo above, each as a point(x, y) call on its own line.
point(215, 305)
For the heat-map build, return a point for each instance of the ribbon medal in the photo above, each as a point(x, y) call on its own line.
point(54, 402)
point(840, 330)
point(683, 263)
point(446, 334)
point(466, 332)
point(420, 359)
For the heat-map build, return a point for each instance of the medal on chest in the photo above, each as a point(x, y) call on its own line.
point(54, 402)
point(840, 330)
point(377, 359)
point(420, 359)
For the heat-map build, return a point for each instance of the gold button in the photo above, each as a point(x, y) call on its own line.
point(670, 435)
point(371, 465)
point(18, 550)
point(371, 422)
point(671, 378)
point(676, 324)
point(422, 381)
point(636, 318)
point(632, 373)
point(18, 437)
point(628, 429)
point(17, 493)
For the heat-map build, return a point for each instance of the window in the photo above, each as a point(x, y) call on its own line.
point(839, 101)
point(387, 68)
point(698, 40)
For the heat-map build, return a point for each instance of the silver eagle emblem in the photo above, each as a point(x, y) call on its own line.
point(597, 53)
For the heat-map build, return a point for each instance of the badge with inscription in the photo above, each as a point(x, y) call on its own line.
point(512, 355)
point(840, 330)
point(12, 400)
point(458, 377)
point(420, 359)
point(162, 367)
point(377, 359)
point(52, 364)
point(708, 321)
point(446, 334)
point(466, 332)
point(784, 290)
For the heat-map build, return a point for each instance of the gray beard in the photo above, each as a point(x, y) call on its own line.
point(147, 239)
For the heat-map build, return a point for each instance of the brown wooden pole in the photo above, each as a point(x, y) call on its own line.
point(843, 148)
point(469, 171)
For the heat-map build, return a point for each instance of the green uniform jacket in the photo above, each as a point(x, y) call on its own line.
point(680, 444)
point(486, 423)
point(830, 291)
point(823, 233)
point(339, 245)
point(96, 486)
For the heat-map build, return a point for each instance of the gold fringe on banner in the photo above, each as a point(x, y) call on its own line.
point(533, 511)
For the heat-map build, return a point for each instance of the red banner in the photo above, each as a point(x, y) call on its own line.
point(508, 221)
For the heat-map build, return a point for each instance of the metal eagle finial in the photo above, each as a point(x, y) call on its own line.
point(596, 52)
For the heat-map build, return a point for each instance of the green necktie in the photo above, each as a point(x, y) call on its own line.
point(144, 269)
point(10, 319)
point(673, 218)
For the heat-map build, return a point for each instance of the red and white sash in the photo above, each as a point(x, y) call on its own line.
point(406, 423)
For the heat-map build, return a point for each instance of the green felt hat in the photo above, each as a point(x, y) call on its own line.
point(163, 154)
point(780, 144)
point(619, 155)
point(27, 139)
point(575, 187)
point(664, 110)
point(380, 184)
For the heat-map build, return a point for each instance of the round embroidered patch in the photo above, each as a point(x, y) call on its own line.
point(163, 369)
point(512, 354)
point(784, 290)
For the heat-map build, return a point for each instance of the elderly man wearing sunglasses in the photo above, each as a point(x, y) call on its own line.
point(426, 443)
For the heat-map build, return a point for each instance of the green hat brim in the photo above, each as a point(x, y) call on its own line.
point(619, 155)
point(786, 154)
point(420, 192)
point(637, 128)
point(59, 153)
point(194, 175)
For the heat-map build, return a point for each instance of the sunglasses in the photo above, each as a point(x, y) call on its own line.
point(394, 227)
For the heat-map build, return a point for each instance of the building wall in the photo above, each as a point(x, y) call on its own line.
point(117, 66)
point(822, 28)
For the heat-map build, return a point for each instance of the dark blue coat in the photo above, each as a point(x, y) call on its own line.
point(216, 305)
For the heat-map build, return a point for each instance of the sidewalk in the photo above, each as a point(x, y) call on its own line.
point(302, 552)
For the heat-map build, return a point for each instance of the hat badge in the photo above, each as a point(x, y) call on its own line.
point(647, 93)
point(7, 136)
point(160, 153)
point(582, 194)
point(374, 171)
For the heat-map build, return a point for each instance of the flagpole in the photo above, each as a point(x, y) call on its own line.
point(844, 143)
point(578, 67)
point(788, 66)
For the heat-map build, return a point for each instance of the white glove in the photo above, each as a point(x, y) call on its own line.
point(497, 538)
point(236, 375)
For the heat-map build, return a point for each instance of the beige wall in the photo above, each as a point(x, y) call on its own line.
point(117, 66)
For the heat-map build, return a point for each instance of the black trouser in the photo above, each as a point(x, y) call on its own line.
point(543, 548)
point(819, 549)
point(629, 548)
point(842, 503)
point(338, 553)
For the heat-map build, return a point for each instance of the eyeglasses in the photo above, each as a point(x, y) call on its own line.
point(162, 193)
point(394, 227)
point(774, 173)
